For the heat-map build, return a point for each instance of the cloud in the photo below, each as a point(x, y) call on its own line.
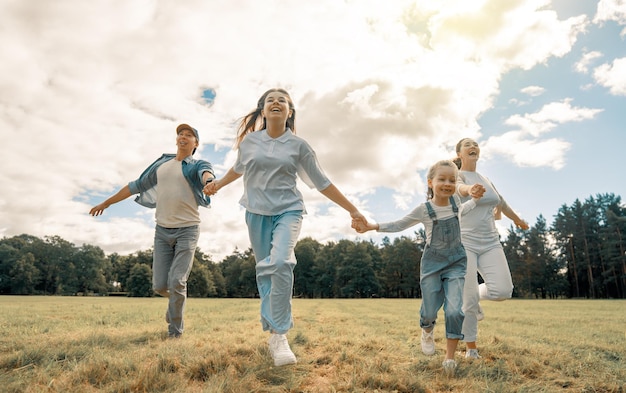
point(549, 116)
point(612, 76)
point(582, 65)
point(527, 145)
point(525, 151)
point(382, 90)
point(533, 91)
point(611, 10)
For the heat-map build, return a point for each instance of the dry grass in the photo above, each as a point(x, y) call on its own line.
point(74, 344)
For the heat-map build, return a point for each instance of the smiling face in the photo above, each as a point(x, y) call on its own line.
point(468, 150)
point(277, 107)
point(186, 141)
point(443, 182)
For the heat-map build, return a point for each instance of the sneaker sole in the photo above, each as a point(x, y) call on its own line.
point(284, 362)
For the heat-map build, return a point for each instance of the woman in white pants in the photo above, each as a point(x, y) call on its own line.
point(481, 239)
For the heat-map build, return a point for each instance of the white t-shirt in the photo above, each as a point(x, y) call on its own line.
point(176, 205)
point(270, 167)
point(479, 226)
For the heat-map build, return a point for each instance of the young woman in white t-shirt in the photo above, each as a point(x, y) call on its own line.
point(481, 239)
point(270, 158)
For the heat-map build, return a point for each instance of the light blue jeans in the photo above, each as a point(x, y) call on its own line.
point(174, 249)
point(273, 240)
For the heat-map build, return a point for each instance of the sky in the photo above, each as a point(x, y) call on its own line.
point(91, 93)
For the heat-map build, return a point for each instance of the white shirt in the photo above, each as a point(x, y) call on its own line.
point(270, 167)
point(176, 205)
point(479, 226)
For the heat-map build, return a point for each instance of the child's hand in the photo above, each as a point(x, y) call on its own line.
point(362, 226)
point(477, 191)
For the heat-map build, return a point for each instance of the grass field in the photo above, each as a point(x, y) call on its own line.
point(105, 344)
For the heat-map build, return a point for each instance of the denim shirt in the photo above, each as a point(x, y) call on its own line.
point(193, 169)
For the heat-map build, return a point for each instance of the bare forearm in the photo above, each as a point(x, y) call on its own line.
point(331, 192)
point(510, 213)
point(122, 194)
point(213, 187)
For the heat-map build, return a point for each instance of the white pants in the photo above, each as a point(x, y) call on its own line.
point(498, 285)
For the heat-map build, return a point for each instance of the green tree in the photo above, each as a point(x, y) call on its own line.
point(239, 271)
point(90, 266)
point(304, 282)
point(24, 275)
point(140, 281)
point(200, 282)
point(8, 258)
point(400, 273)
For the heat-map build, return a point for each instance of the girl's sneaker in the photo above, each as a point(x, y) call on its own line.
point(472, 354)
point(280, 350)
point(449, 367)
point(428, 342)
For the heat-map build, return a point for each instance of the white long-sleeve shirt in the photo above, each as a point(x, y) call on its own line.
point(479, 226)
point(420, 215)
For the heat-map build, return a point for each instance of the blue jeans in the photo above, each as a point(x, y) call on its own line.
point(174, 249)
point(273, 240)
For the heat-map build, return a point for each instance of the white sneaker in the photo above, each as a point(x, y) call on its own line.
point(428, 342)
point(449, 367)
point(472, 354)
point(480, 316)
point(280, 351)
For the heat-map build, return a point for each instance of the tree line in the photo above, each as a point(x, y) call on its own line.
point(583, 254)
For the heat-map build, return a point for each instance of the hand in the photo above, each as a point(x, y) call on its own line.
point(211, 188)
point(521, 224)
point(359, 225)
point(359, 222)
point(477, 191)
point(97, 210)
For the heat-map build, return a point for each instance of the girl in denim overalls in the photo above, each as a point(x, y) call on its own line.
point(442, 271)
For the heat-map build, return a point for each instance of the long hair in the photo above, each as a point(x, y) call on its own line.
point(457, 159)
point(431, 174)
point(253, 121)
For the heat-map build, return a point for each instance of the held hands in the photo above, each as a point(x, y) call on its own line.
point(360, 224)
point(477, 191)
point(211, 188)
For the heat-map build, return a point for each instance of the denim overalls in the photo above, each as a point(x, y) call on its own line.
point(442, 274)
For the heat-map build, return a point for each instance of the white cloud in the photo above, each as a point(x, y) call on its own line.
point(527, 145)
point(614, 10)
point(549, 116)
point(533, 91)
point(612, 76)
point(382, 89)
point(582, 65)
point(611, 10)
point(526, 151)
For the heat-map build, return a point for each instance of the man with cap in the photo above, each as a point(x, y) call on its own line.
point(180, 179)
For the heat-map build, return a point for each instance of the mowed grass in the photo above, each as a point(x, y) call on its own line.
point(109, 344)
